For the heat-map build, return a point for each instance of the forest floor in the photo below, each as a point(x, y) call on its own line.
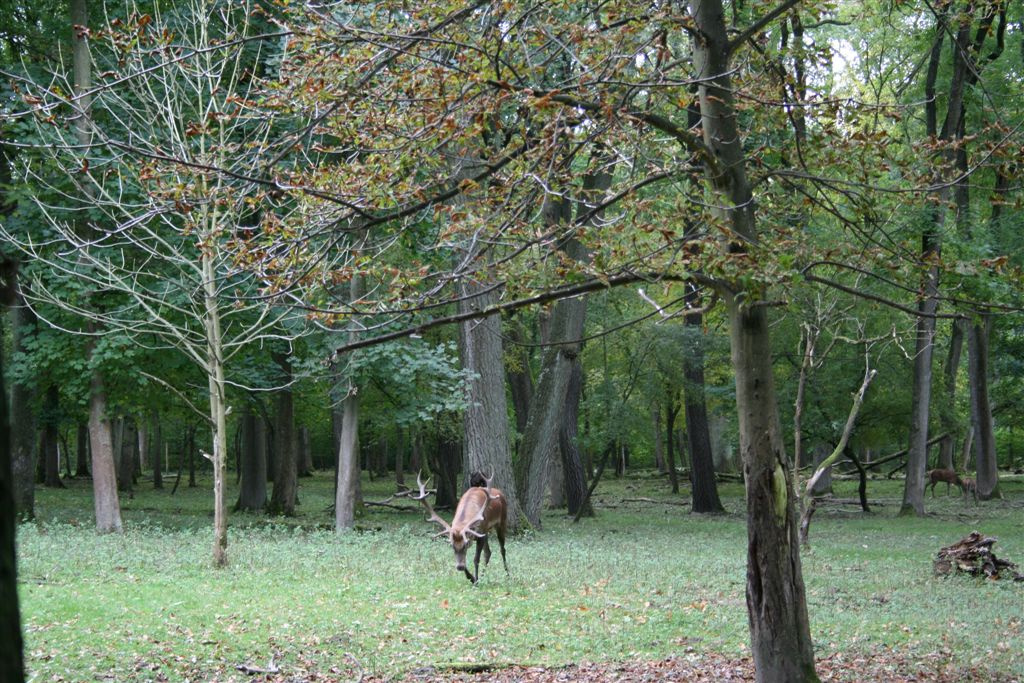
point(881, 666)
point(645, 591)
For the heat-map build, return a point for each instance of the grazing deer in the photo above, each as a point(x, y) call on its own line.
point(480, 509)
point(948, 476)
point(968, 484)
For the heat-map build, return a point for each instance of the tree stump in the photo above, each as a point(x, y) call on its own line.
point(973, 554)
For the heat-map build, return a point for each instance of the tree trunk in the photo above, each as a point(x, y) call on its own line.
point(485, 437)
point(704, 489)
point(347, 498)
point(931, 243)
point(157, 449)
point(12, 666)
point(445, 459)
point(574, 478)
point(23, 424)
point(917, 455)
point(520, 379)
point(282, 499)
point(671, 411)
point(567, 320)
point(142, 447)
point(214, 367)
point(50, 419)
point(252, 456)
point(776, 601)
point(305, 453)
point(190, 453)
point(981, 410)
point(82, 451)
point(948, 414)
point(126, 463)
point(659, 442)
point(104, 481)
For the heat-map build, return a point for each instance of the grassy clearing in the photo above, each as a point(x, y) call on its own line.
point(643, 580)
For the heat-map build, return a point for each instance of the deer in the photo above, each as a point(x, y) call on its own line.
point(969, 485)
point(481, 509)
point(948, 476)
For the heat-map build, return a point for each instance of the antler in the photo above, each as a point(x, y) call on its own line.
point(422, 497)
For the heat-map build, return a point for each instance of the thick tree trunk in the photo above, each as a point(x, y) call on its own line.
point(981, 410)
point(704, 490)
point(282, 499)
point(12, 667)
point(444, 461)
point(104, 481)
point(252, 493)
point(126, 462)
point(574, 478)
point(48, 445)
point(540, 436)
point(520, 379)
point(920, 397)
point(776, 601)
point(23, 424)
point(486, 442)
point(949, 422)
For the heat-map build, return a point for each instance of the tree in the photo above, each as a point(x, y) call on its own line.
point(252, 493)
point(12, 666)
point(161, 254)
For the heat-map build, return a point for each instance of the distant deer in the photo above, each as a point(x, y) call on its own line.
point(948, 476)
point(480, 509)
point(969, 485)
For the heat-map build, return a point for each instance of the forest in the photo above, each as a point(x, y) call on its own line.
point(709, 313)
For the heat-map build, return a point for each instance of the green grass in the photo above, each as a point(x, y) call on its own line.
point(641, 580)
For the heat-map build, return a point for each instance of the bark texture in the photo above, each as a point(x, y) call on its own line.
point(347, 498)
point(12, 665)
point(104, 481)
point(486, 439)
point(573, 476)
point(776, 599)
point(948, 416)
point(704, 489)
point(252, 493)
point(921, 391)
point(23, 427)
point(283, 497)
point(981, 410)
point(540, 437)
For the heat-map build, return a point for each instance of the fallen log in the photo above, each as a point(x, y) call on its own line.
point(973, 554)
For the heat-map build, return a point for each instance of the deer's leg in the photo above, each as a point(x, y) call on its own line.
point(501, 544)
point(487, 550)
point(476, 560)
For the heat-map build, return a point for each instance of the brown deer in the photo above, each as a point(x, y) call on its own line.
point(969, 485)
point(480, 509)
point(948, 476)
